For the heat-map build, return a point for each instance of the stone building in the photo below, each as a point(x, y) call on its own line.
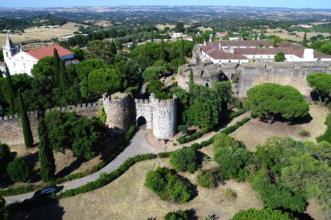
point(157, 115)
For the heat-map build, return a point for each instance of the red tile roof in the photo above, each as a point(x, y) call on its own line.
point(43, 52)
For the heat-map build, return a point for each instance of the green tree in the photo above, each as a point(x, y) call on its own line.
point(19, 170)
point(57, 65)
point(45, 152)
point(178, 215)
point(264, 214)
point(184, 159)
point(10, 92)
point(182, 53)
point(271, 101)
point(305, 40)
point(100, 81)
point(280, 57)
point(25, 122)
point(162, 51)
point(5, 157)
point(321, 85)
point(179, 27)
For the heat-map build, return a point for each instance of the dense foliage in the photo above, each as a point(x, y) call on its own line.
point(231, 156)
point(19, 170)
point(264, 214)
point(289, 171)
point(82, 135)
point(5, 157)
point(185, 159)
point(280, 57)
point(327, 135)
point(205, 113)
point(169, 186)
point(271, 101)
point(3, 210)
point(178, 215)
point(321, 85)
point(26, 127)
point(45, 152)
point(207, 178)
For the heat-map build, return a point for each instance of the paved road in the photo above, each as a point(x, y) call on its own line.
point(138, 145)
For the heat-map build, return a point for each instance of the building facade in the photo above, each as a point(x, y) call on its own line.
point(19, 61)
point(245, 51)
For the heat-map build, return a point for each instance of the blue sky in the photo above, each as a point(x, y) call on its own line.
point(323, 4)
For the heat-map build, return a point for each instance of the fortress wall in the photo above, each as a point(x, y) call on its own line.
point(144, 109)
point(11, 130)
point(164, 117)
point(119, 111)
point(293, 74)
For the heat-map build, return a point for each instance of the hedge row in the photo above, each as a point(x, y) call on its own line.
point(120, 146)
point(188, 138)
point(233, 128)
point(105, 179)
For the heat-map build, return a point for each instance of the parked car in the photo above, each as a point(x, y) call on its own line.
point(47, 191)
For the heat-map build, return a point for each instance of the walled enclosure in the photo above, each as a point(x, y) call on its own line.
point(248, 75)
point(11, 130)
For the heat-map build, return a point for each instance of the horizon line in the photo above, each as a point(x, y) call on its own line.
point(148, 5)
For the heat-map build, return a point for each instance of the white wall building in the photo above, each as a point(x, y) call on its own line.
point(251, 51)
point(19, 61)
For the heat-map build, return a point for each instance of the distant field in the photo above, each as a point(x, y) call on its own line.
point(41, 33)
point(296, 36)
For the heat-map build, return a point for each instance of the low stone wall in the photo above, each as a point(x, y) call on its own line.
point(11, 130)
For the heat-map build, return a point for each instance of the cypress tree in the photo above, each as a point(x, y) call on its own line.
point(28, 138)
point(10, 90)
point(57, 63)
point(46, 157)
point(62, 82)
point(113, 48)
point(305, 41)
point(162, 51)
point(182, 53)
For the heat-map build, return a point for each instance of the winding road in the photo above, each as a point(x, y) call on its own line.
point(139, 145)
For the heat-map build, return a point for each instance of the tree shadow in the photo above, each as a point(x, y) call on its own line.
point(37, 209)
point(298, 215)
point(69, 169)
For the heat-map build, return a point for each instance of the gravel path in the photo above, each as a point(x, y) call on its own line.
point(138, 146)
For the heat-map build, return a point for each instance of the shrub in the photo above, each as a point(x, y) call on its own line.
point(264, 214)
point(178, 215)
point(184, 159)
point(230, 194)
point(19, 170)
point(3, 211)
point(233, 128)
point(5, 157)
point(169, 186)
point(327, 135)
point(207, 179)
point(304, 133)
point(231, 156)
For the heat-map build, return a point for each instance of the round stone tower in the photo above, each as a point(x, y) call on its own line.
point(119, 110)
point(164, 117)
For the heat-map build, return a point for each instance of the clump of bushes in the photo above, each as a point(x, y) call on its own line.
point(169, 186)
point(178, 215)
point(233, 128)
point(207, 178)
point(5, 157)
point(19, 170)
point(327, 135)
point(231, 156)
point(184, 159)
point(82, 135)
point(304, 133)
point(253, 214)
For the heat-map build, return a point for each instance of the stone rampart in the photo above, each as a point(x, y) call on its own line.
point(287, 73)
point(11, 130)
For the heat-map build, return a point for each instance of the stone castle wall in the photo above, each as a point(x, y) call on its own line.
point(11, 130)
point(160, 115)
point(119, 112)
point(286, 73)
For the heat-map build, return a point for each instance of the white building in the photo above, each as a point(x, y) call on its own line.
point(250, 51)
point(19, 61)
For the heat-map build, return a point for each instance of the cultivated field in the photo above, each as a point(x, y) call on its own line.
point(41, 33)
point(257, 132)
point(295, 36)
point(127, 198)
